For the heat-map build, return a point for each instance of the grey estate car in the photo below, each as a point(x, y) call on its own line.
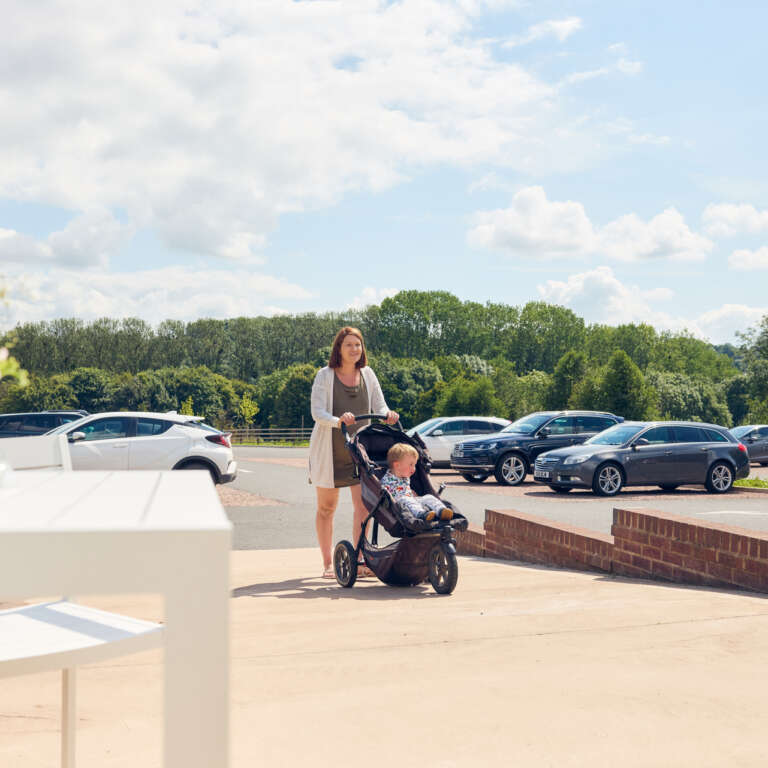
point(663, 453)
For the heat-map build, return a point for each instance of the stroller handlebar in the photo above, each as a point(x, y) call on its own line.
point(365, 417)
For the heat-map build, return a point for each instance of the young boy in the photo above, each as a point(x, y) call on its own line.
point(402, 459)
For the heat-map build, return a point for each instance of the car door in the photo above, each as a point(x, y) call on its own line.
point(757, 444)
point(106, 443)
point(652, 463)
point(556, 433)
point(691, 452)
point(448, 434)
point(157, 444)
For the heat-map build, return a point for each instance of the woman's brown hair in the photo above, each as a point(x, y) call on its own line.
point(335, 361)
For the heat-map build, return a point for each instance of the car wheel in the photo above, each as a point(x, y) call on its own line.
point(474, 477)
point(201, 465)
point(719, 477)
point(561, 488)
point(607, 480)
point(511, 469)
point(668, 486)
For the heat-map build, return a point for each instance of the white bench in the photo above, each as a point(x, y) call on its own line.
point(62, 635)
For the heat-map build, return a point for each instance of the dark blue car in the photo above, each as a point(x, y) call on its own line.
point(510, 454)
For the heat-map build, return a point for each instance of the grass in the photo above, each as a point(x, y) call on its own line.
point(752, 482)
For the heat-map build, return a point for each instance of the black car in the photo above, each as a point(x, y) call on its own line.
point(37, 423)
point(755, 439)
point(663, 453)
point(510, 454)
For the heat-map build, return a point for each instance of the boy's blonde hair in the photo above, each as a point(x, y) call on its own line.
point(399, 451)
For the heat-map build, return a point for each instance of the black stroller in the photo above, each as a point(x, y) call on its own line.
point(423, 550)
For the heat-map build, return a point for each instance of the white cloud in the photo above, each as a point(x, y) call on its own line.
point(665, 236)
point(154, 295)
point(746, 261)
point(535, 227)
point(600, 297)
point(648, 138)
point(629, 67)
point(727, 219)
point(87, 240)
point(370, 296)
point(561, 29)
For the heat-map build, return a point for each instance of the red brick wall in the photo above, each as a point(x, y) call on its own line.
point(648, 543)
point(644, 544)
point(516, 536)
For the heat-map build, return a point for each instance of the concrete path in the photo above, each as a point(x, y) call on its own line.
point(521, 666)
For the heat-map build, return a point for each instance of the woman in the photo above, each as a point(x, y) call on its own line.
point(345, 388)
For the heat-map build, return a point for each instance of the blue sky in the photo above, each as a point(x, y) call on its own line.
point(253, 158)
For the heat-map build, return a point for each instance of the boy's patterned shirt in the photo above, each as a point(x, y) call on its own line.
point(397, 486)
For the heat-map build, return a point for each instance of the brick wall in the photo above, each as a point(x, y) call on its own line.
point(652, 544)
point(645, 544)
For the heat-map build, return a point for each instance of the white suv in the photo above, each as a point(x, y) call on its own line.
point(141, 440)
point(442, 433)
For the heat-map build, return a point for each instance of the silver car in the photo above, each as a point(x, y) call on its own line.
point(663, 453)
point(442, 433)
point(755, 438)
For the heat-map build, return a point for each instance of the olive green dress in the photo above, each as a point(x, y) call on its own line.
point(352, 400)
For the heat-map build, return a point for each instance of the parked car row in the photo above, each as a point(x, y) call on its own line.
point(601, 451)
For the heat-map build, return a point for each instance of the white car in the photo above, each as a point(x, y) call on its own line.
point(442, 433)
point(142, 440)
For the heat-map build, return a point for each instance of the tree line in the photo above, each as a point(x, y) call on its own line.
point(434, 355)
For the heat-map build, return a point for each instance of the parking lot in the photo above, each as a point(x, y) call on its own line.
point(272, 504)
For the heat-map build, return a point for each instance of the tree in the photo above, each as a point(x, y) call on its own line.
point(624, 391)
point(469, 397)
point(246, 410)
point(685, 398)
point(570, 369)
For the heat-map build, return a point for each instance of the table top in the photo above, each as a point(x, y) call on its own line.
point(51, 501)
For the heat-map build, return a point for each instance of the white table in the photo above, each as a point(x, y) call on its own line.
point(80, 533)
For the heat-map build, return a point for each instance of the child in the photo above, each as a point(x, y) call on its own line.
point(402, 459)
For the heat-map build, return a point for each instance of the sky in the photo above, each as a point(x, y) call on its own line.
point(255, 157)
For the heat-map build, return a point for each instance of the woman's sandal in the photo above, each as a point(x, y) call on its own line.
point(328, 572)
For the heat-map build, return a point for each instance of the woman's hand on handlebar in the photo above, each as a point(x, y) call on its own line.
point(392, 417)
point(347, 418)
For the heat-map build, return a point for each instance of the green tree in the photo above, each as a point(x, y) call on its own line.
point(570, 369)
point(246, 410)
point(624, 391)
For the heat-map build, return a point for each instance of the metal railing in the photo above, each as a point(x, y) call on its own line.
point(271, 435)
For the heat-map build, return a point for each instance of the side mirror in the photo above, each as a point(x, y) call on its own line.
point(640, 441)
point(76, 437)
point(751, 439)
point(436, 433)
point(544, 432)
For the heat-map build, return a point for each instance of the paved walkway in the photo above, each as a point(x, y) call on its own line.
point(521, 666)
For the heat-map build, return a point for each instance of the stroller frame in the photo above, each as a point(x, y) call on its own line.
point(422, 550)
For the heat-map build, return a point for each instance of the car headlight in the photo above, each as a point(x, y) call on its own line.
point(487, 446)
point(577, 459)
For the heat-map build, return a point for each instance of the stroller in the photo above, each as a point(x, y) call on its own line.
point(423, 550)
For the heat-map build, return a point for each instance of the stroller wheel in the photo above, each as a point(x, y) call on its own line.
point(345, 564)
point(443, 570)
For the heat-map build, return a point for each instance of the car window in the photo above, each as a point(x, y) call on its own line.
point(105, 429)
point(595, 423)
point(67, 418)
point(527, 424)
point(616, 435)
point(762, 432)
point(12, 424)
point(147, 427)
point(476, 427)
point(689, 435)
point(37, 423)
point(714, 436)
point(454, 427)
point(659, 435)
point(562, 425)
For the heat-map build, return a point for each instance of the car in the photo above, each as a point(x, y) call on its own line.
point(510, 454)
point(663, 453)
point(143, 440)
point(441, 433)
point(35, 422)
point(755, 439)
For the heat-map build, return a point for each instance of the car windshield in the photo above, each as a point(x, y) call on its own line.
point(65, 427)
point(739, 432)
point(617, 435)
point(528, 424)
point(422, 428)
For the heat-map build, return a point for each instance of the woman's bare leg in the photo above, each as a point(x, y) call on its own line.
point(327, 500)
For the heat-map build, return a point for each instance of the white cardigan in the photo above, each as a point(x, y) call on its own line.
point(320, 442)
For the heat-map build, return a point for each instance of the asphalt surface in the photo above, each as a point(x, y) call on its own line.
point(272, 504)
